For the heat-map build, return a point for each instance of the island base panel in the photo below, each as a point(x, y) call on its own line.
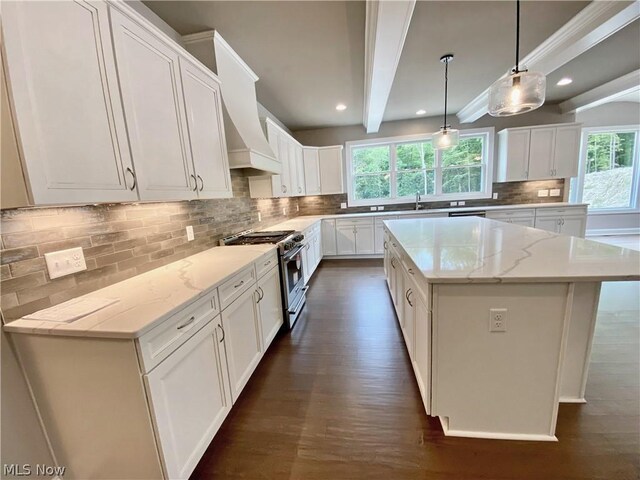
point(582, 324)
point(499, 384)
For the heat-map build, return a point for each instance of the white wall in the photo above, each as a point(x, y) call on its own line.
point(612, 114)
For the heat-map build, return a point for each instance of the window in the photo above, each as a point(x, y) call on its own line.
point(393, 170)
point(608, 176)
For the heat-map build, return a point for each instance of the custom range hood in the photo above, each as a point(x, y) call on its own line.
point(248, 147)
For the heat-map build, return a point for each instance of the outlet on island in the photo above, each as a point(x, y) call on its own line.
point(498, 320)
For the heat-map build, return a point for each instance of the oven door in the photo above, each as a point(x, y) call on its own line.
point(293, 276)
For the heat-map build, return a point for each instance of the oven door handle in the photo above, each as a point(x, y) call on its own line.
point(298, 306)
point(289, 255)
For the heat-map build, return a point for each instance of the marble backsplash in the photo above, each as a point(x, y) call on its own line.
point(508, 194)
point(119, 241)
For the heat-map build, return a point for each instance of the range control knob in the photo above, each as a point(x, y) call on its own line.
point(298, 238)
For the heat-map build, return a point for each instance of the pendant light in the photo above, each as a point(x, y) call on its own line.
point(519, 92)
point(447, 137)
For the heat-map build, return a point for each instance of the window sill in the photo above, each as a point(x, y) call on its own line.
point(423, 199)
point(613, 211)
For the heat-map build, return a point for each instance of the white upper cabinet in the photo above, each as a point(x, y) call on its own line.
point(149, 73)
point(330, 159)
point(311, 171)
point(538, 153)
point(206, 131)
point(541, 148)
point(66, 103)
point(299, 169)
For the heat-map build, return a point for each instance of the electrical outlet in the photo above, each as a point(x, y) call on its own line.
point(453, 204)
point(65, 262)
point(461, 203)
point(381, 208)
point(297, 207)
point(373, 209)
point(259, 217)
point(284, 211)
point(543, 193)
point(498, 320)
point(343, 205)
point(554, 192)
point(495, 196)
point(190, 235)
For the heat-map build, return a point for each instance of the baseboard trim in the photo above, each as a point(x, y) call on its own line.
point(353, 257)
point(572, 400)
point(601, 232)
point(495, 435)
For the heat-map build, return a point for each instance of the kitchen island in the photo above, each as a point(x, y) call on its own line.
point(498, 319)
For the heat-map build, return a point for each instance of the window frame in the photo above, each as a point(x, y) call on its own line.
point(487, 168)
point(577, 193)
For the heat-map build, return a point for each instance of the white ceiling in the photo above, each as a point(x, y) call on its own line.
point(309, 55)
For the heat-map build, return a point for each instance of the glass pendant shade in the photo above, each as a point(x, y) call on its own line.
point(445, 138)
point(518, 93)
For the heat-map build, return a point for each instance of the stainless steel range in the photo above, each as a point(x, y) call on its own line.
point(289, 243)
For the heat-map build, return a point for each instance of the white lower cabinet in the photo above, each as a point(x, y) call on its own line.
point(346, 240)
point(355, 237)
point(422, 347)
point(408, 299)
point(242, 337)
point(567, 221)
point(365, 240)
point(270, 306)
point(189, 397)
point(329, 246)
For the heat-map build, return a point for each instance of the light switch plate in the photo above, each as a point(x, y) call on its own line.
point(495, 196)
point(543, 193)
point(343, 205)
point(462, 202)
point(381, 208)
point(554, 192)
point(65, 262)
point(190, 235)
point(284, 211)
point(453, 204)
point(259, 217)
point(373, 209)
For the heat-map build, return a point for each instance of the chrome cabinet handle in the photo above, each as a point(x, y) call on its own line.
point(261, 293)
point(188, 322)
point(257, 301)
point(393, 264)
point(222, 330)
point(411, 271)
point(135, 182)
point(394, 244)
point(201, 183)
point(408, 295)
point(239, 285)
point(384, 245)
point(284, 189)
point(267, 263)
point(195, 180)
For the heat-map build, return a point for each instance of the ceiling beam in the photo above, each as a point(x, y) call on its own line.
point(605, 93)
point(593, 24)
point(386, 26)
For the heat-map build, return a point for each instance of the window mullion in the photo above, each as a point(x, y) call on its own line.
point(438, 171)
point(393, 190)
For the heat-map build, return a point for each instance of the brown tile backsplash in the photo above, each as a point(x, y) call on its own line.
point(508, 194)
point(119, 241)
point(124, 240)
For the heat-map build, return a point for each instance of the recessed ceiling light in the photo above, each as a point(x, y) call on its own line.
point(421, 112)
point(564, 81)
point(340, 107)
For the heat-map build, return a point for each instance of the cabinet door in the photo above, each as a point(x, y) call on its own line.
point(514, 155)
point(422, 353)
point(243, 341)
point(306, 265)
point(270, 306)
point(149, 75)
point(550, 224)
point(285, 184)
point(206, 131)
point(189, 397)
point(524, 221)
point(68, 113)
point(379, 238)
point(299, 168)
point(567, 151)
point(409, 299)
point(329, 237)
point(311, 171)
point(541, 153)
point(277, 187)
point(393, 278)
point(399, 291)
point(574, 226)
point(330, 160)
point(346, 240)
point(365, 240)
point(317, 247)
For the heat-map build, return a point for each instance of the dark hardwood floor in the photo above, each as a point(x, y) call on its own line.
point(336, 399)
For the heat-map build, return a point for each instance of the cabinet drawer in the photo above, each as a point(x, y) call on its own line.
point(521, 212)
point(349, 222)
point(233, 288)
point(266, 263)
point(161, 341)
point(560, 212)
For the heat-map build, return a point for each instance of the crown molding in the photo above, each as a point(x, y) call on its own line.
point(603, 94)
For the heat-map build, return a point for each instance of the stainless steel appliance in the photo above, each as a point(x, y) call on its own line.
point(289, 243)
point(478, 213)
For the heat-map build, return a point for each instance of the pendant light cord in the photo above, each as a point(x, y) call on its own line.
point(446, 81)
point(516, 70)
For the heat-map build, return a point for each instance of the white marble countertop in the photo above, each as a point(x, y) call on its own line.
point(147, 299)
point(473, 249)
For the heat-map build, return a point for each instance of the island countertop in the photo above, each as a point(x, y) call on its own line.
point(479, 250)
